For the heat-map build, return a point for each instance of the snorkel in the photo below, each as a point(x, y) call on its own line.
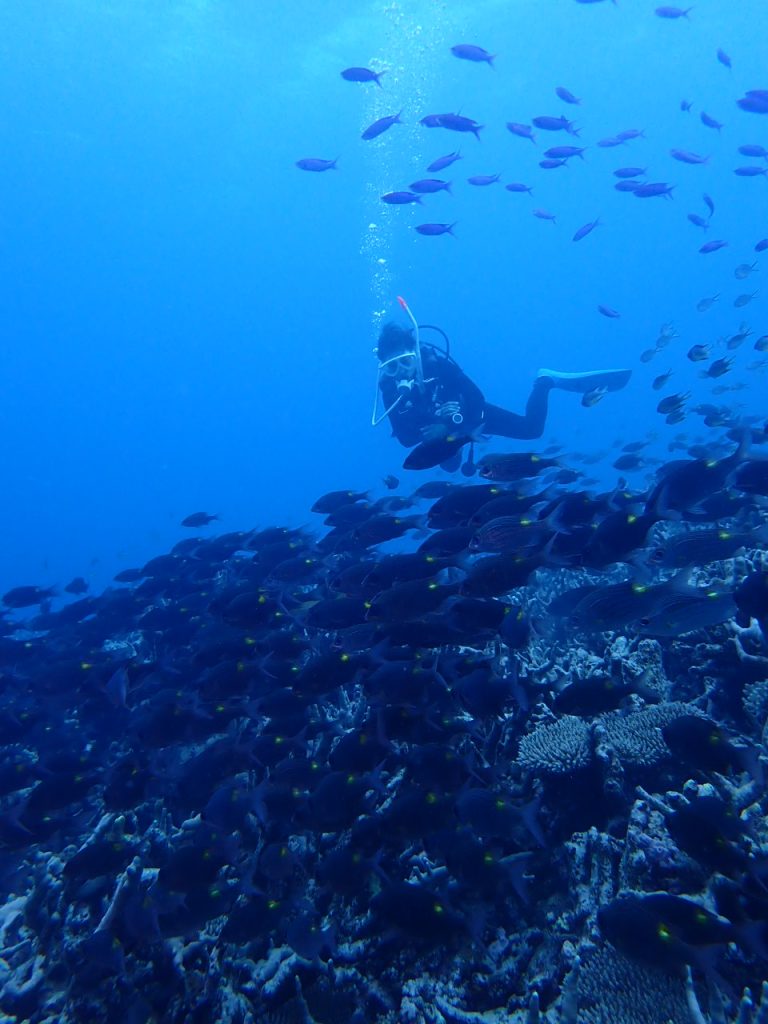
point(415, 353)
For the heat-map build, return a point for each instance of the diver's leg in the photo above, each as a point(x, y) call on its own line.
point(504, 423)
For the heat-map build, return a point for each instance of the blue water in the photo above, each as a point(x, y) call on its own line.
point(188, 319)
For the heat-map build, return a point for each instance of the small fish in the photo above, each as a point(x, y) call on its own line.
point(709, 121)
point(654, 188)
point(755, 150)
point(667, 333)
point(566, 95)
point(549, 165)
point(698, 220)
point(380, 126)
point(400, 198)
point(724, 59)
point(390, 482)
point(744, 270)
point(468, 51)
point(755, 101)
point(444, 161)
point(435, 229)
point(743, 300)
point(698, 353)
point(672, 12)
point(629, 172)
point(612, 314)
point(362, 75)
point(672, 402)
point(704, 304)
point(627, 185)
point(77, 586)
point(313, 163)
point(198, 519)
point(762, 245)
point(593, 397)
point(610, 142)
point(762, 343)
point(750, 171)
point(518, 186)
point(544, 215)
point(523, 131)
point(739, 338)
point(685, 106)
point(555, 124)
point(660, 381)
point(428, 186)
point(712, 246)
point(709, 203)
point(630, 133)
point(585, 229)
point(685, 156)
point(565, 152)
point(483, 179)
point(718, 368)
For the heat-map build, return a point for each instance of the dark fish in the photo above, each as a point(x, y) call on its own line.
point(755, 102)
point(629, 172)
point(685, 106)
point(444, 161)
point(697, 353)
point(468, 51)
point(755, 150)
point(661, 381)
point(26, 597)
point(661, 929)
point(585, 229)
point(432, 453)
point(334, 500)
point(390, 482)
point(672, 12)
point(453, 122)
point(708, 202)
point(564, 152)
point(752, 476)
point(709, 121)
point(517, 466)
point(611, 142)
point(426, 186)
point(612, 314)
point(400, 198)
point(701, 743)
point(198, 519)
point(566, 95)
point(555, 124)
point(762, 245)
point(698, 220)
point(550, 165)
point(315, 163)
point(724, 59)
point(750, 171)
point(483, 179)
point(435, 229)
point(544, 215)
point(704, 304)
point(76, 586)
point(712, 246)
point(362, 75)
point(518, 186)
point(523, 131)
point(381, 125)
point(717, 368)
point(626, 185)
point(630, 133)
point(654, 188)
point(685, 156)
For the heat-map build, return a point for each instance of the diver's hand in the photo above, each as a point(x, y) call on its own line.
point(433, 431)
point(448, 409)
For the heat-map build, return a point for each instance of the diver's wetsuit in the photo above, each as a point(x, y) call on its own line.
point(446, 383)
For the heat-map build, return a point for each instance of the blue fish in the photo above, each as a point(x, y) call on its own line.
point(467, 51)
point(585, 229)
point(383, 123)
point(566, 95)
point(362, 75)
point(313, 163)
point(444, 161)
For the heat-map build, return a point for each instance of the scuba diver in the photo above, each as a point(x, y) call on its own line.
point(428, 397)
